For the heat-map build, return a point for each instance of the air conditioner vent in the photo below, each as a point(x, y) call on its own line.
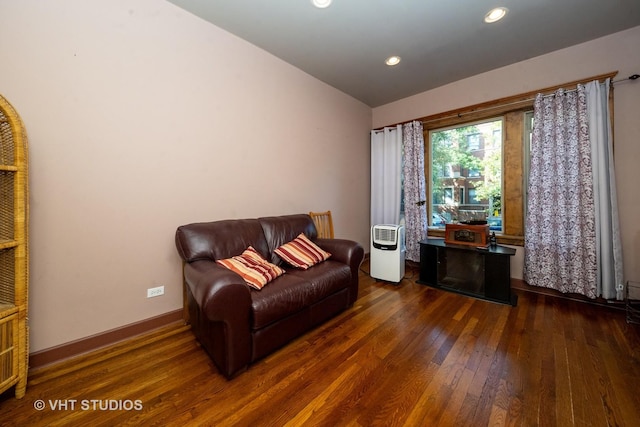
point(383, 234)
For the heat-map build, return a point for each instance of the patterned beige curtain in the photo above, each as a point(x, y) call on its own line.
point(415, 209)
point(560, 233)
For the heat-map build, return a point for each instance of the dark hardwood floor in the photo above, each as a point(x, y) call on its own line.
point(403, 355)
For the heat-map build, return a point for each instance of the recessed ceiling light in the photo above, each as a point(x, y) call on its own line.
point(495, 14)
point(392, 60)
point(321, 4)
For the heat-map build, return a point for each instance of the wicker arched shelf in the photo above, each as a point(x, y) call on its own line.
point(14, 254)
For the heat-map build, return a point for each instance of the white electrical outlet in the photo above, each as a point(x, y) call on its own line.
point(155, 292)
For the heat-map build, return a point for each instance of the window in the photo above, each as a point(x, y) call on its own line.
point(528, 133)
point(448, 195)
point(473, 199)
point(474, 141)
point(460, 146)
point(443, 197)
point(514, 136)
point(497, 136)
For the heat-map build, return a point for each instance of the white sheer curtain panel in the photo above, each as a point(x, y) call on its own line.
point(560, 232)
point(386, 170)
point(415, 192)
point(610, 282)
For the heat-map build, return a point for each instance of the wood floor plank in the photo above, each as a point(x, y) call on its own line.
point(435, 396)
point(563, 390)
point(456, 400)
point(403, 355)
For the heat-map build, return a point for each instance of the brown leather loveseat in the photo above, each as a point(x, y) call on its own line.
point(237, 324)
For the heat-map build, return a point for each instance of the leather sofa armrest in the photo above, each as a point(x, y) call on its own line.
point(223, 297)
point(345, 251)
point(218, 291)
point(348, 252)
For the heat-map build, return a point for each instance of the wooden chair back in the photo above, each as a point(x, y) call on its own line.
point(324, 224)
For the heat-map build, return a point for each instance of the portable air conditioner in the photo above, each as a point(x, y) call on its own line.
point(387, 252)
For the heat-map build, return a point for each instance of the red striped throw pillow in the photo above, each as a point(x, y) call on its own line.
point(254, 269)
point(302, 252)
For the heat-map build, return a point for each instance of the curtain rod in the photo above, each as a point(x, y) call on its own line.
point(388, 127)
point(631, 77)
point(498, 106)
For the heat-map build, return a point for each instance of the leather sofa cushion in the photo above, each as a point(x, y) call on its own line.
point(296, 290)
point(326, 278)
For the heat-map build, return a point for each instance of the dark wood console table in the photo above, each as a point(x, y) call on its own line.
point(481, 273)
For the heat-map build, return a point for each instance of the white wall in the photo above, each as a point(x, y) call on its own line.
point(617, 52)
point(142, 117)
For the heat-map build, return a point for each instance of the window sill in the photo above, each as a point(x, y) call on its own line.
point(503, 239)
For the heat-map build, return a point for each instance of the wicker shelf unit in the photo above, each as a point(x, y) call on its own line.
point(14, 255)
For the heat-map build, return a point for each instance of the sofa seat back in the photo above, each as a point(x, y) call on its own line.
point(279, 230)
point(220, 239)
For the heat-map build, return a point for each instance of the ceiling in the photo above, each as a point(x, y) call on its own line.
point(439, 41)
